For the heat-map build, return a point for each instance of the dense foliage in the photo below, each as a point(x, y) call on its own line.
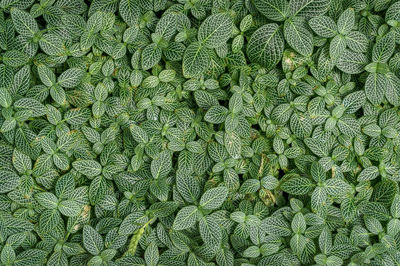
point(199, 132)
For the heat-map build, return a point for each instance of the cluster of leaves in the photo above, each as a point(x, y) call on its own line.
point(199, 132)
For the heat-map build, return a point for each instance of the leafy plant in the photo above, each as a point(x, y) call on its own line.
point(199, 132)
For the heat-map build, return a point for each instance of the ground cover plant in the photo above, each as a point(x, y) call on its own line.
point(199, 132)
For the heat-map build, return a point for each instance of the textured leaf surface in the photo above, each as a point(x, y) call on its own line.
point(273, 9)
point(213, 198)
point(266, 45)
point(92, 240)
point(324, 26)
point(215, 30)
point(87, 167)
point(351, 62)
point(195, 60)
point(199, 132)
point(298, 36)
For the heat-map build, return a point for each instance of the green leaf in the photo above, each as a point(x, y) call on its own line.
point(375, 87)
point(47, 200)
point(71, 77)
point(395, 207)
point(14, 58)
point(65, 186)
point(337, 46)
point(269, 182)
point(309, 8)
point(210, 231)
point(298, 36)
point(266, 46)
point(357, 42)
point(368, 173)
point(24, 23)
point(186, 218)
point(319, 198)
point(187, 186)
point(163, 209)
point(349, 126)
point(215, 30)
point(354, 101)
point(138, 134)
point(51, 44)
point(5, 98)
point(166, 27)
point(151, 255)
point(299, 223)
point(92, 240)
point(317, 147)
point(89, 168)
point(216, 114)
point(372, 130)
point(30, 257)
point(77, 116)
point(275, 10)
point(130, 11)
point(21, 161)
point(325, 241)
point(373, 225)
point(213, 198)
point(337, 187)
point(46, 75)
point(236, 103)
point(297, 186)
point(318, 172)
point(7, 255)
point(252, 252)
point(8, 181)
point(58, 257)
point(98, 189)
point(375, 210)
point(324, 26)
point(49, 219)
point(250, 186)
point(161, 165)
point(392, 91)
point(233, 144)
point(195, 60)
point(351, 62)
point(383, 49)
point(298, 243)
point(151, 55)
point(346, 21)
point(69, 208)
point(34, 107)
point(300, 125)
point(276, 226)
point(58, 94)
